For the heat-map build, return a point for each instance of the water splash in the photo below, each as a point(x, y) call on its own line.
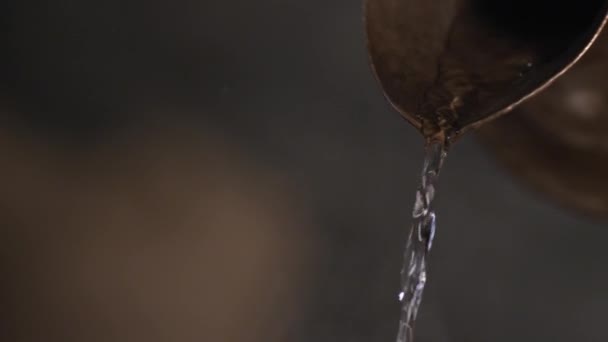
point(413, 274)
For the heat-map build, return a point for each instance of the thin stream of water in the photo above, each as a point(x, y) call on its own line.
point(413, 274)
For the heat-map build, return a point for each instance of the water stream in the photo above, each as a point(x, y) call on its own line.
point(414, 272)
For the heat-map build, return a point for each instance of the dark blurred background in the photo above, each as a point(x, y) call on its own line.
point(229, 171)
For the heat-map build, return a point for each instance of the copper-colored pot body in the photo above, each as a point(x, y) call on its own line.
point(558, 142)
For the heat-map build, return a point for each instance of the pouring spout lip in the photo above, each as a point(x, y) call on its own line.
point(570, 57)
point(596, 33)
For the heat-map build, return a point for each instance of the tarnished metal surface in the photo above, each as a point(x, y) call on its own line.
point(450, 65)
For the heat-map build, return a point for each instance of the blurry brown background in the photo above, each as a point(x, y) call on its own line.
point(229, 171)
